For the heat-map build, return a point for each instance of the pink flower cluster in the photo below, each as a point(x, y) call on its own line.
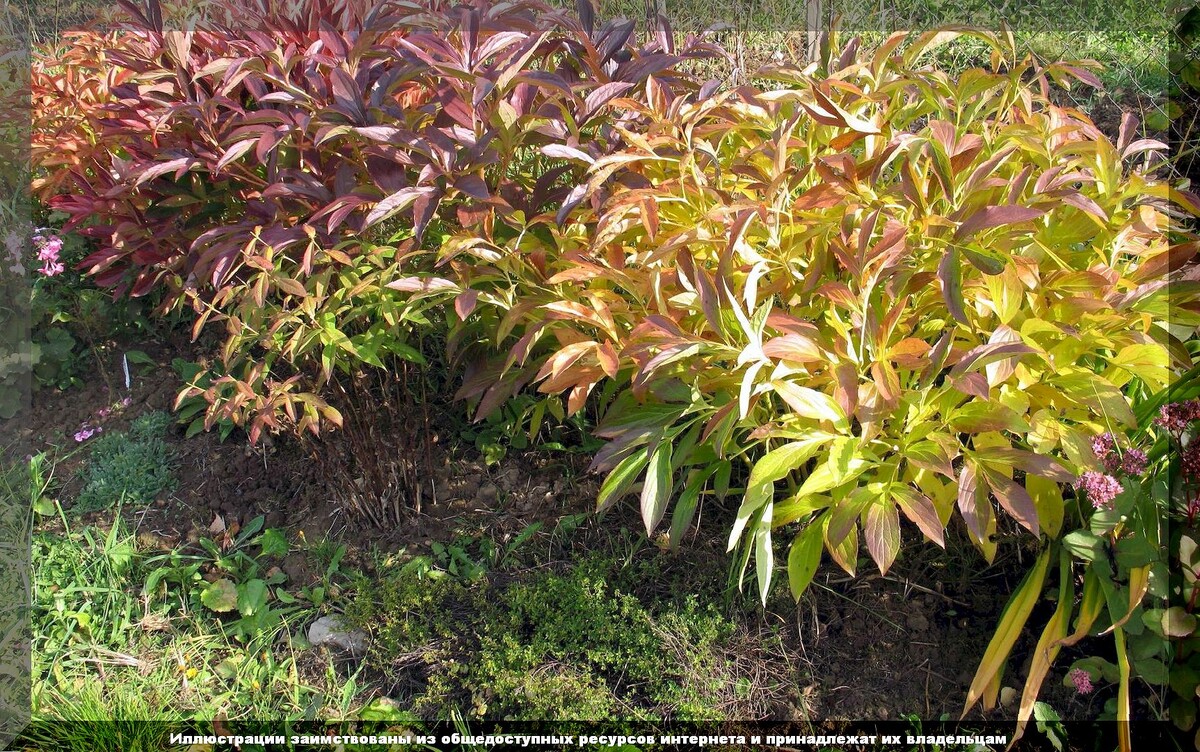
point(1131, 461)
point(1101, 489)
point(1082, 681)
point(48, 248)
point(1177, 416)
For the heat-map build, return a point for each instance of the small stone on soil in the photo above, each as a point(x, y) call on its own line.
point(328, 630)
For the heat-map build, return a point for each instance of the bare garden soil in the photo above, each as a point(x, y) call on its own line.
point(870, 647)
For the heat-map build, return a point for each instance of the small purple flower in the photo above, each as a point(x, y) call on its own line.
point(1101, 489)
point(127, 402)
point(86, 432)
point(1082, 681)
point(1134, 462)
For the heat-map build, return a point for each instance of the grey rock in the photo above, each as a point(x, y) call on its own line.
point(329, 631)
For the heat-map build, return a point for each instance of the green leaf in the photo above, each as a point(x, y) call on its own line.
point(804, 558)
point(621, 479)
point(985, 260)
point(220, 596)
point(656, 488)
point(1048, 500)
point(1177, 622)
point(841, 454)
point(45, 506)
point(1084, 545)
point(764, 555)
point(881, 529)
point(1135, 552)
point(772, 466)
point(252, 597)
point(1152, 670)
point(846, 513)
point(685, 507)
point(810, 403)
point(984, 417)
point(227, 669)
point(273, 543)
point(950, 273)
point(846, 552)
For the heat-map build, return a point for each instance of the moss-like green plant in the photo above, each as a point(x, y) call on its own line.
point(132, 467)
point(571, 645)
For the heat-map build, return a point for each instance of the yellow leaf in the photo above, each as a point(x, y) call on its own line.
point(1048, 500)
point(1012, 622)
point(1048, 646)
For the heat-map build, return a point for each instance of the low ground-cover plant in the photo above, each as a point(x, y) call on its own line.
point(251, 170)
point(132, 467)
point(575, 644)
point(150, 624)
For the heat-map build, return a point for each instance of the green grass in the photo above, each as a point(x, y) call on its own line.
point(124, 633)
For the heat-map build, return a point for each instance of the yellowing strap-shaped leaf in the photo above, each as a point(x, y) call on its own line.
point(1048, 645)
point(1123, 740)
point(1048, 500)
point(1089, 608)
point(1012, 621)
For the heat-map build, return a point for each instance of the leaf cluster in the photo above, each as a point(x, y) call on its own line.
point(276, 171)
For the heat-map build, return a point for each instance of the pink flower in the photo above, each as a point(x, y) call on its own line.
point(1176, 416)
point(1190, 465)
point(86, 432)
point(1082, 681)
point(51, 269)
point(1134, 462)
point(1103, 444)
point(48, 250)
point(1101, 489)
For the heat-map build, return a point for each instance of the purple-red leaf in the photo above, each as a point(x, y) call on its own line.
point(995, 216)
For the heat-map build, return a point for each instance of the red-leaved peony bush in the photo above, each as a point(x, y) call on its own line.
point(250, 167)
